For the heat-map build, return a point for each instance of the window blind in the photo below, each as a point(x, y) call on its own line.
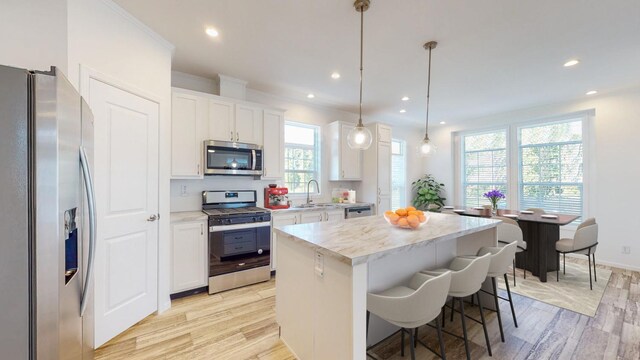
point(484, 166)
point(551, 167)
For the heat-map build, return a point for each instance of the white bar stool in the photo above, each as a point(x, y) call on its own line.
point(468, 274)
point(412, 306)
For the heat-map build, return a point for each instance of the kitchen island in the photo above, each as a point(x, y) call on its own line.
point(325, 271)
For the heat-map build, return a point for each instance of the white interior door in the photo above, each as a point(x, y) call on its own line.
point(126, 179)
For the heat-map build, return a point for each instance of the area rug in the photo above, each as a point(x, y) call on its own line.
point(571, 292)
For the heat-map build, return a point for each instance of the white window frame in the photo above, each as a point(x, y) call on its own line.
point(513, 145)
point(318, 156)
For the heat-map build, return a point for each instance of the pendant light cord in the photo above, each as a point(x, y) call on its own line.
point(426, 128)
point(361, 56)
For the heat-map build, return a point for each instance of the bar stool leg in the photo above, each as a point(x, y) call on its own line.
point(413, 348)
point(513, 312)
point(558, 268)
point(464, 329)
point(415, 338)
point(444, 310)
point(367, 331)
point(514, 272)
point(564, 264)
point(495, 297)
point(526, 262)
point(484, 324)
point(452, 307)
point(439, 330)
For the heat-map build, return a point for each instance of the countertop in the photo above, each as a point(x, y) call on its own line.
point(361, 240)
point(185, 216)
point(325, 206)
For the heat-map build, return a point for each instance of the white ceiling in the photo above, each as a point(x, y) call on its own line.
point(493, 55)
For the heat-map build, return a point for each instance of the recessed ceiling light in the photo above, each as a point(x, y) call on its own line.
point(335, 75)
point(442, 122)
point(405, 98)
point(403, 111)
point(212, 32)
point(571, 63)
point(311, 96)
point(592, 92)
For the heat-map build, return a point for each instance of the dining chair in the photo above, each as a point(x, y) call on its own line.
point(412, 306)
point(467, 276)
point(585, 242)
point(508, 232)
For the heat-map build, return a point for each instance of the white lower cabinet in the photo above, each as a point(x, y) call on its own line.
point(302, 217)
point(189, 256)
point(334, 215)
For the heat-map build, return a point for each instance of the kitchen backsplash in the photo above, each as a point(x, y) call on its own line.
point(186, 195)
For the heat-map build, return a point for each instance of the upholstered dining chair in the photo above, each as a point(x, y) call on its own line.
point(508, 232)
point(585, 242)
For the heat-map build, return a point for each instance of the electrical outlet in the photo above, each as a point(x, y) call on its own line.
point(626, 250)
point(183, 190)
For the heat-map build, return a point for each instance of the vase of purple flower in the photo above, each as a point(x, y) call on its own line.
point(494, 197)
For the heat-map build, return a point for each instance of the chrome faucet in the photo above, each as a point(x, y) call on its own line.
point(317, 187)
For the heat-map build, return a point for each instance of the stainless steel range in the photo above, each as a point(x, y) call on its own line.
point(239, 239)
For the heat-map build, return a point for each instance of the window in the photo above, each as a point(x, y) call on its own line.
point(484, 164)
point(301, 156)
point(398, 174)
point(551, 167)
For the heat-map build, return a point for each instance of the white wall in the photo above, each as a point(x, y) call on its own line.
point(614, 167)
point(300, 111)
point(106, 39)
point(33, 34)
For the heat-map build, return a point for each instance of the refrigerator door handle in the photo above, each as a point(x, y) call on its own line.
point(88, 183)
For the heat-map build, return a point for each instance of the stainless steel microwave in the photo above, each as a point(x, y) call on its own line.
point(232, 158)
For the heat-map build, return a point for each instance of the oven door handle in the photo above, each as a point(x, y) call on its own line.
point(219, 228)
point(254, 160)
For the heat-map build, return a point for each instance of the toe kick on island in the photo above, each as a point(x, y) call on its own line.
point(325, 271)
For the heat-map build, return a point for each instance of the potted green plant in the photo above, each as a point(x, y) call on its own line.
point(428, 193)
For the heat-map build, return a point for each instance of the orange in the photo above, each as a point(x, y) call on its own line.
point(413, 219)
point(401, 212)
point(411, 208)
point(422, 218)
point(414, 225)
point(414, 212)
point(393, 218)
point(388, 213)
point(403, 222)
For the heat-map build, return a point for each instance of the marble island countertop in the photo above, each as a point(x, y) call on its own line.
point(361, 240)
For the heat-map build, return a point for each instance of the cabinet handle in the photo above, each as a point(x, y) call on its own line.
point(231, 138)
point(201, 229)
point(379, 191)
point(237, 136)
point(198, 169)
point(343, 174)
point(264, 172)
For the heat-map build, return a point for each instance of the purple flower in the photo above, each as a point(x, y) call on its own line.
point(494, 195)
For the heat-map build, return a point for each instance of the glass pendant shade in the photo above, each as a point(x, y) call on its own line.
point(427, 147)
point(359, 138)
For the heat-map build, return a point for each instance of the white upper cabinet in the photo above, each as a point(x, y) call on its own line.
point(189, 114)
point(221, 120)
point(384, 168)
point(248, 124)
point(346, 163)
point(273, 154)
point(384, 133)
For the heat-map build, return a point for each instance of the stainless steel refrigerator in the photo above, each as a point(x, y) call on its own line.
point(47, 221)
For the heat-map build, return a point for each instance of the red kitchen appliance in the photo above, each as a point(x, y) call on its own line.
point(275, 198)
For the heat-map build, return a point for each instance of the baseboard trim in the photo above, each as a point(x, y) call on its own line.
point(607, 263)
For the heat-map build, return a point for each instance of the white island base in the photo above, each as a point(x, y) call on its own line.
point(326, 270)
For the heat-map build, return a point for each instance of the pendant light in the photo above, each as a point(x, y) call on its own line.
point(427, 147)
point(359, 137)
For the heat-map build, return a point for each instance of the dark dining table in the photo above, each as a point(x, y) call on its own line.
point(540, 233)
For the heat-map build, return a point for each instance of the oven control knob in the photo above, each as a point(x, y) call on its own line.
point(261, 219)
point(254, 219)
point(259, 251)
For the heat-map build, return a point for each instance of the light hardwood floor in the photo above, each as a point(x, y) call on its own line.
point(240, 324)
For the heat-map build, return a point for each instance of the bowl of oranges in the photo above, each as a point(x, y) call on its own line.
point(406, 218)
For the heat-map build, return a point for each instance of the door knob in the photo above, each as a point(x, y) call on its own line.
point(153, 217)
